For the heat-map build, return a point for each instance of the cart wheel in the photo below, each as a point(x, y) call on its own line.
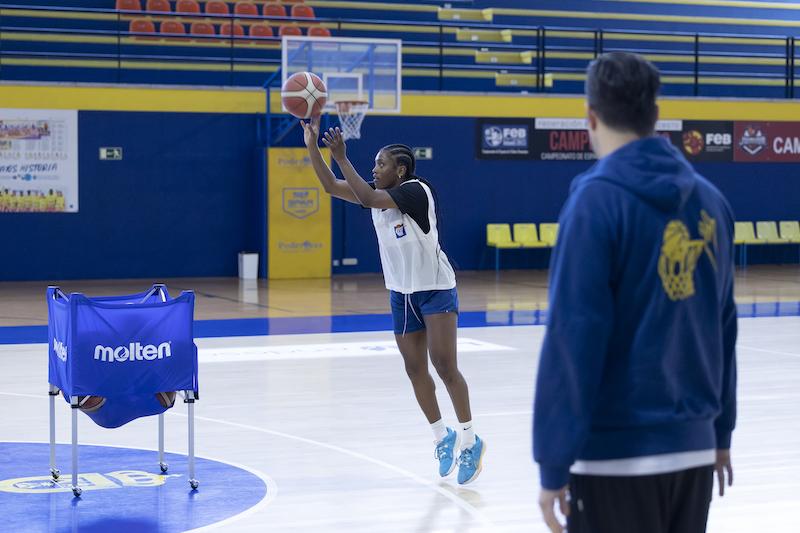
point(55, 472)
point(164, 467)
point(194, 484)
point(77, 491)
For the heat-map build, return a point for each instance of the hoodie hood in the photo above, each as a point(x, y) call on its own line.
point(651, 168)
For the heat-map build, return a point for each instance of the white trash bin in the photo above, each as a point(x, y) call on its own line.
point(248, 265)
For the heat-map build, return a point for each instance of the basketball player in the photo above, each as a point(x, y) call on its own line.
point(636, 391)
point(421, 282)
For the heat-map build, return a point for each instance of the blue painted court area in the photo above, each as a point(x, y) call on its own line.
point(247, 327)
point(123, 491)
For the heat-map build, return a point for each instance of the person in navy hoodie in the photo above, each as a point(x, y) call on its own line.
point(636, 391)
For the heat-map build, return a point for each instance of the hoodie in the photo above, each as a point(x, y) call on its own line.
point(638, 358)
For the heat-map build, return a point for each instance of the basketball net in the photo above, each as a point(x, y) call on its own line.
point(351, 115)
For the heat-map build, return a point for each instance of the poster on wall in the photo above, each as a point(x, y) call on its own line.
point(767, 142)
point(38, 161)
point(504, 138)
point(567, 139)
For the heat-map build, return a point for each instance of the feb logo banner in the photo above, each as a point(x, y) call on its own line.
point(299, 221)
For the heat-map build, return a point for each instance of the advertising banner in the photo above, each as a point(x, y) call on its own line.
point(767, 142)
point(299, 222)
point(707, 140)
point(504, 138)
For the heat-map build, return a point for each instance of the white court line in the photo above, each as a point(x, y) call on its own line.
point(328, 350)
point(272, 487)
point(458, 501)
point(763, 350)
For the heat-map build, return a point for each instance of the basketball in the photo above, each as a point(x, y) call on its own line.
point(304, 95)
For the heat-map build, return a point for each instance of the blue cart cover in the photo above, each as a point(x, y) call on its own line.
point(124, 348)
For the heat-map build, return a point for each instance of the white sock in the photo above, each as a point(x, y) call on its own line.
point(467, 435)
point(439, 430)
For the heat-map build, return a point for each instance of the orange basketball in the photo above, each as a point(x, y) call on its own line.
point(304, 95)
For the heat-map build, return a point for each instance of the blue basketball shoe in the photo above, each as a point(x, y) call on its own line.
point(445, 452)
point(470, 462)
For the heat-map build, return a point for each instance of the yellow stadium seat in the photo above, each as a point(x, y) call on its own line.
point(527, 236)
point(743, 233)
point(548, 233)
point(767, 231)
point(498, 236)
point(488, 36)
point(790, 231)
point(471, 15)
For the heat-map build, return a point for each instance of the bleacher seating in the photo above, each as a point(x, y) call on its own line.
point(489, 47)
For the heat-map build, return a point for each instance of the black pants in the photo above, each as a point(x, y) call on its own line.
point(665, 503)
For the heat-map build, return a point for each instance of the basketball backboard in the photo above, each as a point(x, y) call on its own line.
point(353, 69)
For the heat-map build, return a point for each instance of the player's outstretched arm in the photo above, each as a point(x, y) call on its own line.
point(334, 187)
point(367, 196)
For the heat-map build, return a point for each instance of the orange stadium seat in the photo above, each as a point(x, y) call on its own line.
point(172, 27)
point(274, 10)
point(187, 6)
point(217, 7)
point(318, 31)
point(129, 5)
point(289, 29)
point(261, 30)
point(225, 29)
point(142, 26)
point(246, 8)
point(202, 28)
point(301, 11)
point(159, 5)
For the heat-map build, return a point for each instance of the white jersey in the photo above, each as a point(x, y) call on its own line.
point(412, 258)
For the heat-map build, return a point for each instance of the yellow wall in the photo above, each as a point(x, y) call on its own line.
point(143, 98)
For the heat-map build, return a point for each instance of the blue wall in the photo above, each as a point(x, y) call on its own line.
point(188, 196)
point(183, 202)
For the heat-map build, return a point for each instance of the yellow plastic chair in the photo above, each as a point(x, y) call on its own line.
point(498, 236)
point(768, 231)
point(548, 233)
point(744, 234)
point(527, 236)
point(790, 231)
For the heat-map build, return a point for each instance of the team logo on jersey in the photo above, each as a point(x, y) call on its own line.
point(400, 230)
point(679, 255)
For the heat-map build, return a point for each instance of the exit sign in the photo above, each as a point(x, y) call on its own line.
point(423, 152)
point(113, 153)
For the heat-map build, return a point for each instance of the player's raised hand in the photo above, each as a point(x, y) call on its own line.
point(310, 131)
point(334, 140)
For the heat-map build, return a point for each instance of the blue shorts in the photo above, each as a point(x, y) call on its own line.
point(409, 310)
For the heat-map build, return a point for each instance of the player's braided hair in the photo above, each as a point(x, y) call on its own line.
point(402, 155)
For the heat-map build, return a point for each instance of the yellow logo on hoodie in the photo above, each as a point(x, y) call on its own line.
point(679, 255)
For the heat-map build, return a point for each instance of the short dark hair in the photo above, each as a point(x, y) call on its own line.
point(621, 88)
